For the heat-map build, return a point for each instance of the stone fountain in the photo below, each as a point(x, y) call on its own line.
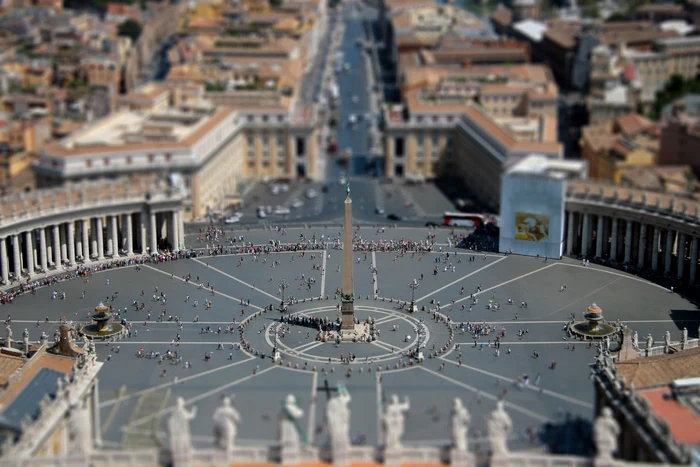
point(593, 327)
point(102, 326)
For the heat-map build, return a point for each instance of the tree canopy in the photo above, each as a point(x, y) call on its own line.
point(130, 28)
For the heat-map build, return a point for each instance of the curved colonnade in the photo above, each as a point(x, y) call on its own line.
point(644, 229)
point(78, 223)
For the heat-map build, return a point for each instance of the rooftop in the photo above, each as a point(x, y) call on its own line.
point(537, 164)
point(659, 370)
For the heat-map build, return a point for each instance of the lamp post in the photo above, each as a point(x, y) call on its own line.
point(413, 285)
point(283, 284)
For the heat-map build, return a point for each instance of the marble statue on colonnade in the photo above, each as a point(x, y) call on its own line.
point(8, 336)
point(338, 419)
point(499, 425)
point(460, 425)
point(394, 422)
point(290, 433)
point(179, 434)
point(226, 419)
point(605, 433)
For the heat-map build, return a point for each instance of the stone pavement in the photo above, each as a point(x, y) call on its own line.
point(134, 396)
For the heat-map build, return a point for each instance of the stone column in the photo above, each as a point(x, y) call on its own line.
point(181, 228)
point(176, 231)
point(152, 233)
point(681, 256)
point(115, 237)
point(628, 241)
point(599, 238)
point(129, 234)
point(29, 247)
point(16, 257)
point(693, 259)
point(4, 263)
point(669, 251)
point(613, 240)
point(642, 244)
point(57, 245)
point(142, 232)
point(86, 240)
point(655, 250)
point(100, 239)
point(43, 257)
point(71, 242)
point(585, 234)
point(570, 233)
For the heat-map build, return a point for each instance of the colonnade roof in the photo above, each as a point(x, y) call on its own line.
point(72, 196)
point(674, 205)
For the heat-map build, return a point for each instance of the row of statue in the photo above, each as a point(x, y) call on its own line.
point(291, 436)
point(667, 339)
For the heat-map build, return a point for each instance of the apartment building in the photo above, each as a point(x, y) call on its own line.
point(680, 138)
point(472, 123)
point(627, 142)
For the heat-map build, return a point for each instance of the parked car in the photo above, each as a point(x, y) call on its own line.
point(379, 211)
point(394, 217)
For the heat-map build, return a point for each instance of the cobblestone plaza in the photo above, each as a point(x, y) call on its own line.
point(135, 395)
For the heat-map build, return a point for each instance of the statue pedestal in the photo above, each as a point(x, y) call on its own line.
point(393, 456)
point(461, 458)
point(347, 314)
point(413, 308)
point(290, 455)
point(420, 357)
point(276, 357)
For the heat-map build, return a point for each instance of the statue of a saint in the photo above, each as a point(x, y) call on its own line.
point(499, 425)
point(179, 433)
point(650, 342)
point(25, 339)
point(635, 340)
point(460, 425)
point(605, 433)
point(289, 432)
point(225, 420)
point(393, 422)
point(338, 419)
point(684, 337)
point(667, 339)
point(80, 429)
point(8, 336)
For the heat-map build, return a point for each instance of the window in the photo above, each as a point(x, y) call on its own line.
point(128, 160)
point(106, 161)
point(151, 158)
point(264, 118)
point(251, 142)
point(88, 163)
point(266, 164)
point(420, 141)
point(251, 164)
point(399, 147)
point(301, 147)
point(168, 156)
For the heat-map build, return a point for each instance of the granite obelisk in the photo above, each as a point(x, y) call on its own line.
point(347, 296)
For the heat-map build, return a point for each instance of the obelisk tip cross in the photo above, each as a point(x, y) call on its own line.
point(347, 189)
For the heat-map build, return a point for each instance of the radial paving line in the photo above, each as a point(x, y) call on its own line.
point(113, 413)
point(234, 278)
point(582, 298)
point(308, 344)
point(150, 402)
point(312, 409)
point(323, 274)
point(506, 282)
point(524, 411)
point(383, 346)
point(180, 380)
point(195, 285)
point(460, 279)
point(375, 285)
point(316, 344)
point(386, 319)
point(194, 399)
point(614, 273)
point(563, 397)
point(378, 378)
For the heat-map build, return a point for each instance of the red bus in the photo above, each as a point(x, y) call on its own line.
point(463, 219)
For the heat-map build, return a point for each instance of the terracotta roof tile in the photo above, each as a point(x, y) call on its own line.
point(660, 370)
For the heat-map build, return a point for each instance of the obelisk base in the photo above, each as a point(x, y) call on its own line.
point(347, 314)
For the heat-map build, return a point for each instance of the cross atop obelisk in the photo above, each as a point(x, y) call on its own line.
point(347, 297)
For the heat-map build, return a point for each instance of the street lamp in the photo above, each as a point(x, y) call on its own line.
point(283, 284)
point(413, 285)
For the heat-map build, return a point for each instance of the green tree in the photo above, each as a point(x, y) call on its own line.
point(675, 87)
point(130, 28)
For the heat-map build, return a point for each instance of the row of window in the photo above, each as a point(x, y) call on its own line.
point(129, 160)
